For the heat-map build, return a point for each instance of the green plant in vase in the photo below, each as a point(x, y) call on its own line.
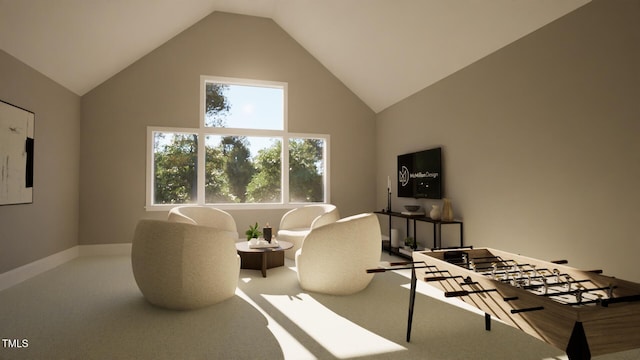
point(408, 242)
point(253, 232)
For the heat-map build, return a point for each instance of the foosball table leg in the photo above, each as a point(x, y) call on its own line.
point(487, 321)
point(578, 348)
point(412, 299)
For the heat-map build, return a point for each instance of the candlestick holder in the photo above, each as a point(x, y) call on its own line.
point(266, 232)
point(388, 200)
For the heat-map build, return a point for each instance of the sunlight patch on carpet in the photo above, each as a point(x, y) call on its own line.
point(336, 334)
point(291, 348)
point(433, 292)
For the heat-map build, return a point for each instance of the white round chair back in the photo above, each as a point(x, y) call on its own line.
point(296, 224)
point(205, 216)
point(334, 258)
point(183, 266)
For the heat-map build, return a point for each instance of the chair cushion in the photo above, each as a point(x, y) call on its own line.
point(203, 216)
point(304, 217)
point(295, 236)
point(298, 232)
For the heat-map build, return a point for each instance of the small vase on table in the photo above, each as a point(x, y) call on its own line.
point(435, 212)
point(447, 210)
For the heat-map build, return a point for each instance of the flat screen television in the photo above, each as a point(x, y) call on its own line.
point(420, 174)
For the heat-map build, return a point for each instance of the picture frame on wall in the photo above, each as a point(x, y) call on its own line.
point(16, 154)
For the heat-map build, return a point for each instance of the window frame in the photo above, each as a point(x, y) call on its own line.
point(202, 131)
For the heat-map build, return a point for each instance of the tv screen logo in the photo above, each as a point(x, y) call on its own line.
point(403, 176)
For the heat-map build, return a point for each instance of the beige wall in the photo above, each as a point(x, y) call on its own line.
point(162, 89)
point(29, 232)
point(541, 141)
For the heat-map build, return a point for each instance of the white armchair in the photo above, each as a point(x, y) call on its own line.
point(204, 216)
point(297, 223)
point(177, 266)
point(334, 258)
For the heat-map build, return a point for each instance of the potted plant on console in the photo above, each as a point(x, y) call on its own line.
point(409, 246)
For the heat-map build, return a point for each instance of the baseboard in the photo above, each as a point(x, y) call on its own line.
point(25, 272)
point(105, 249)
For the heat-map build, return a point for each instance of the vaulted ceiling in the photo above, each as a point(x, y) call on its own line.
point(383, 50)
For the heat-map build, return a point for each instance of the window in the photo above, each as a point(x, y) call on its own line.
point(241, 155)
point(175, 163)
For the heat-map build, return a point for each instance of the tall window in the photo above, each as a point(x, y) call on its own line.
point(241, 155)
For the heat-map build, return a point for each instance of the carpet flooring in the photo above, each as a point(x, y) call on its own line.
point(91, 308)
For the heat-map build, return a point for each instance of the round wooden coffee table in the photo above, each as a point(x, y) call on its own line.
point(262, 258)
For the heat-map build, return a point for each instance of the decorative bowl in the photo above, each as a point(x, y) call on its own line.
point(412, 208)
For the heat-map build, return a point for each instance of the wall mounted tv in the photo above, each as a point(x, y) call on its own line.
point(420, 174)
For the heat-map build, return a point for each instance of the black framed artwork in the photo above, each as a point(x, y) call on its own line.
point(16, 154)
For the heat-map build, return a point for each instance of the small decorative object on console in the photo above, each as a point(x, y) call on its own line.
point(447, 210)
point(435, 212)
point(412, 210)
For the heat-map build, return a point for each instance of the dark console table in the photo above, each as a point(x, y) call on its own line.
point(437, 229)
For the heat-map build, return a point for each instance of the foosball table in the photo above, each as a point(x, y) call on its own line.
point(583, 313)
